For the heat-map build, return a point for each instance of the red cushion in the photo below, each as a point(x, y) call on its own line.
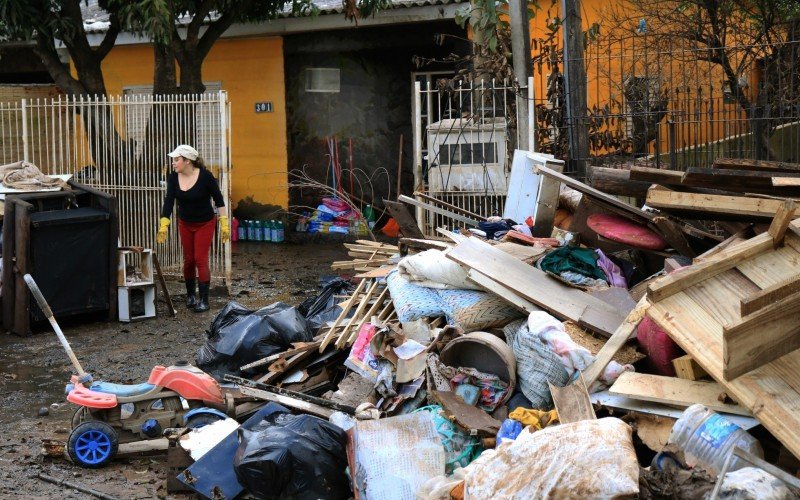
point(622, 230)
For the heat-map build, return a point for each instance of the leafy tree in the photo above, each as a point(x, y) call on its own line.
point(737, 38)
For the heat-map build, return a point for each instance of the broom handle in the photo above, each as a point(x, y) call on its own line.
point(37, 294)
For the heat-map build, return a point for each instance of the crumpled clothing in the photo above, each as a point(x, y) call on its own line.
point(581, 280)
point(578, 260)
point(492, 390)
point(613, 273)
point(494, 229)
point(537, 419)
point(574, 357)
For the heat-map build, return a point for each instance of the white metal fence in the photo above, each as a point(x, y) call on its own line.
point(464, 137)
point(119, 145)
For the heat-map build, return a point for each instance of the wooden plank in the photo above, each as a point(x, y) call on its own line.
point(615, 343)
point(532, 284)
point(786, 181)
point(617, 181)
point(674, 391)
point(290, 402)
point(408, 226)
point(503, 292)
point(724, 260)
point(672, 233)
point(572, 402)
point(357, 315)
point(285, 354)
point(345, 309)
point(712, 206)
point(761, 337)
point(436, 210)
point(380, 272)
point(449, 206)
point(771, 392)
point(638, 215)
point(547, 201)
point(739, 181)
point(769, 295)
point(163, 285)
point(656, 175)
point(473, 420)
point(688, 369)
point(745, 164)
point(781, 222)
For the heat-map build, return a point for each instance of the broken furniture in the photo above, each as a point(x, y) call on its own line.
point(736, 315)
point(67, 240)
point(136, 287)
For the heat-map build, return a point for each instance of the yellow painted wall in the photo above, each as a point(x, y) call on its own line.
point(250, 70)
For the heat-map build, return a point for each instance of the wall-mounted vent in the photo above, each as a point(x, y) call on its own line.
point(322, 79)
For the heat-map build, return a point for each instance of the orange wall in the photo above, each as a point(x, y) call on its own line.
point(250, 70)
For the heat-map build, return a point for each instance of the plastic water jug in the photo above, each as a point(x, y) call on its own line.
point(251, 230)
point(279, 233)
point(241, 230)
point(706, 437)
point(273, 231)
point(235, 229)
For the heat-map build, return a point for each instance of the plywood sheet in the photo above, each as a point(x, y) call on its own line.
point(535, 286)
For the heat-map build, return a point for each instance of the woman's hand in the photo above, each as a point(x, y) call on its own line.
point(224, 229)
point(163, 225)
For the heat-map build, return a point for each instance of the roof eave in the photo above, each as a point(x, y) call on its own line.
point(292, 25)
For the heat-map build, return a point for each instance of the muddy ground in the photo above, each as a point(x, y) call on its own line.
point(34, 370)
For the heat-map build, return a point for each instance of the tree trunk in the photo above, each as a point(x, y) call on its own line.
point(165, 77)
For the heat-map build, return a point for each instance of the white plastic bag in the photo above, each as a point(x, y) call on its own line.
point(586, 459)
point(432, 269)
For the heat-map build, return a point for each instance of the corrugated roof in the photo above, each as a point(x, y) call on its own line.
point(96, 19)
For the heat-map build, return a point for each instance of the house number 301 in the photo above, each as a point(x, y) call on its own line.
point(263, 107)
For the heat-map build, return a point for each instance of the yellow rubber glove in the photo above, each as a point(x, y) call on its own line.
point(224, 229)
point(163, 225)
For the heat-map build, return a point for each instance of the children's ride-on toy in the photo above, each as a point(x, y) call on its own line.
point(110, 414)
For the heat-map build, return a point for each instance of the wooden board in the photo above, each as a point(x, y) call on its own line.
point(547, 201)
point(739, 181)
point(536, 286)
point(473, 420)
point(615, 343)
point(687, 368)
point(712, 206)
point(433, 208)
point(763, 165)
point(408, 226)
point(674, 391)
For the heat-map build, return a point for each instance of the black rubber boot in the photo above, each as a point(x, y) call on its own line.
point(202, 304)
point(191, 298)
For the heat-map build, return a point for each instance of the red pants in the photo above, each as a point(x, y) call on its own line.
point(196, 238)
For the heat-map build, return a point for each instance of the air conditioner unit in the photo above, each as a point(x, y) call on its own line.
point(467, 155)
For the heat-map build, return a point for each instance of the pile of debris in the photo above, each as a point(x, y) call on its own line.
point(476, 364)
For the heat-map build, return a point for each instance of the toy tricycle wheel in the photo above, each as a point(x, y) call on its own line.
point(202, 420)
point(93, 444)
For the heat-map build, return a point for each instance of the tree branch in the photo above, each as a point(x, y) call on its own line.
point(109, 39)
point(193, 30)
point(46, 51)
point(212, 34)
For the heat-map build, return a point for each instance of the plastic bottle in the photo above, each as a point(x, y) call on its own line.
point(242, 231)
point(707, 438)
point(251, 230)
point(269, 231)
point(369, 214)
point(259, 230)
point(273, 231)
point(279, 233)
point(234, 229)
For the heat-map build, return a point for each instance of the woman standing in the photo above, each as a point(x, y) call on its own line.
point(194, 187)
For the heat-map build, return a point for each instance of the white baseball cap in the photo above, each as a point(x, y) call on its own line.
point(186, 151)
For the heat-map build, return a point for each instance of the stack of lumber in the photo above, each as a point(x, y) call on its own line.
point(367, 255)
point(739, 190)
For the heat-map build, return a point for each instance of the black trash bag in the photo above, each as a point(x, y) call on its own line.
point(323, 308)
point(240, 336)
point(293, 456)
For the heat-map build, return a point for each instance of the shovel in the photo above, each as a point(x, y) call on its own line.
point(45, 307)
